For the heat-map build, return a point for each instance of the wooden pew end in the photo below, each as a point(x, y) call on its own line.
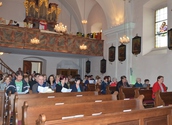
point(140, 102)
point(114, 95)
point(41, 119)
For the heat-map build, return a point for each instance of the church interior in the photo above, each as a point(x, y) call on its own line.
point(99, 38)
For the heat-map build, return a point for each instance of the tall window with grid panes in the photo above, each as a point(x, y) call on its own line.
point(161, 28)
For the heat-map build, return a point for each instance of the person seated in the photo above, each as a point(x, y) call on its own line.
point(51, 82)
point(104, 84)
point(86, 83)
point(61, 84)
point(6, 81)
point(114, 82)
point(40, 82)
point(123, 82)
point(77, 87)
point(34, 81)
point(146, 83)
point(158, 86)
point(18, 85)
point(138, 83)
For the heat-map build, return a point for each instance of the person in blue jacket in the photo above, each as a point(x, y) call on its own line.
point(77, 87)
point(138, 83)
point(104, 84)
point(18, 84)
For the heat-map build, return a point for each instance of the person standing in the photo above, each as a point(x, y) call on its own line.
point(158, 86)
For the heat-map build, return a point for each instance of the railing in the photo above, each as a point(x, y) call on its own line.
point(4, 68)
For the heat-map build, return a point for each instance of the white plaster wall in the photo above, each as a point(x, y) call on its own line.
point(14, 61)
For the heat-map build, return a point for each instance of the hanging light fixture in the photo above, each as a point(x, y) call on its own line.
point(60, 27)
point(83, 47)
point(84, 21)
point(124, 39)
point(34, 41)
point(1, 53)
point(0, 3)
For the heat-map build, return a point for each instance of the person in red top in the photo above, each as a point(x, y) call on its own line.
point(114, 82)
point(159, 85)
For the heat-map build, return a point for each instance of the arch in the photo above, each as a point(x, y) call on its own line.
point(67, 64)
point(34, 58)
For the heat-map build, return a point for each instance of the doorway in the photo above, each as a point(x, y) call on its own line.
point(31, 66)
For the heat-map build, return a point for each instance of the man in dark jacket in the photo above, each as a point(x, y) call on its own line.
point(18, 85)
point(123, 83)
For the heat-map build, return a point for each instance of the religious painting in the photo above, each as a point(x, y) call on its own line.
point(136, 45)
point(122, 52)
point(112, 53)
point(88, 66)
point(103, 66)
point(170, 39)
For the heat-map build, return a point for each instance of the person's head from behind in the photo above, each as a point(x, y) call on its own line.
point(138, 80)
point(77, 81)
point(123, 79)
point(41, 80)
point(160, 79)
point(19, 76)
point(146, 81)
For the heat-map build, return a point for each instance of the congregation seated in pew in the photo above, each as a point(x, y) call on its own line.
point(77, 87)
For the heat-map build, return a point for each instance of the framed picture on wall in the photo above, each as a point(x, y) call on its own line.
point(112, 53)
point(136, 45)
point(170, 39)
point(88, 66)
point(103, 66)
point(122, 52)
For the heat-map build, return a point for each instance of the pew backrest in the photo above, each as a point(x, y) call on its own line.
point(151, 116)
point(163, 98)
point(86, 109)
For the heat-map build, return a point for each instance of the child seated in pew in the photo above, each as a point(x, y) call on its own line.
point(18, 85)
point(77, 87)
point(146, 83)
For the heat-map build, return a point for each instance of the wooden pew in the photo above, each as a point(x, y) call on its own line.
point(151, 116)
point(91, 87)
point(30, 114)
point(148, 102)
point(126, 93)
point(163, 98)
point(56, 101)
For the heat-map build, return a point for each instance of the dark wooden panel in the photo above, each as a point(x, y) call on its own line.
point(161, 120)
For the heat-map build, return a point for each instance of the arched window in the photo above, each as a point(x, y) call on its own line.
point(161, 27)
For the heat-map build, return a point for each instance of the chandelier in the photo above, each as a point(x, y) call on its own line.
point(1, 53)
point(83, 47)
point(0, 3)
point(84, 21)
point(34, 41)
point(60, 28)
point(124, 39)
